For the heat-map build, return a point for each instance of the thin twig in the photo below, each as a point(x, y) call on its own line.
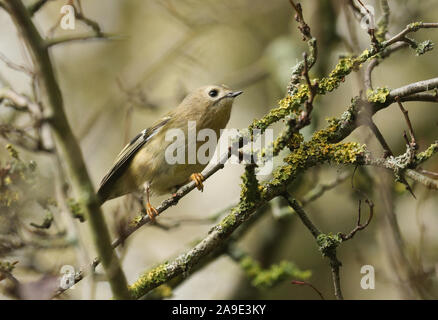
point(376, 61)
point(413, 88)
point(409, 28)
point(15, 66)
point(430, 173)
point(371, 24)
point(303, 216)
point(76, 38)
point(413, 142)
point(380, 138)
point(422, 96)
point(69, 147)
point(304, 27)
point(335, 264)
point(37, 5)
point(358, 225)
point(312, 89)
point(320, 189)
point(387, 150)
point(305, 283)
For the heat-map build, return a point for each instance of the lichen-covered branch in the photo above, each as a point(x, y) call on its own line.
point(327, 244)
point(325, 146)
point(269, 277)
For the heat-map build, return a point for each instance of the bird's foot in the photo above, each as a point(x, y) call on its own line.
point(151, 211)
point(198, 178)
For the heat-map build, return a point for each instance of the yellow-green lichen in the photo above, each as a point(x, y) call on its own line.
point(328, 243)
point(292, 102)
point(17, 176)
point(76, 209)
point(267, 278)
point(6, 267)
point(163, 291)
point(424, 47)
point(47, 222)
point(250, 196)
point(289, 139)
point(286, 106)
point(344, 67)
point(249, 191)
point(135, 221)
point(228, 221)
point(149, 280)
point(12, 151)
point(414, 26)
point(317, 151)
point(378, 95)
point(426, 154)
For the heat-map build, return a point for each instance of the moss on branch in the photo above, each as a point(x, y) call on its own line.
point(276, 273)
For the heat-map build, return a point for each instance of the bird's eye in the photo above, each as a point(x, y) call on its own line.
point(213, 93)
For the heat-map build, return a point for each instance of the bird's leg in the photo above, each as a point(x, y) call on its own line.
point(150, 210)
point(198, 178)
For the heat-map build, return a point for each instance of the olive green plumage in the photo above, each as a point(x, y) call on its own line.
point(143, 160)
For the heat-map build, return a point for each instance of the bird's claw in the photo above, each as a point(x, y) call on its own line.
point(198, 178)
point(151, 211)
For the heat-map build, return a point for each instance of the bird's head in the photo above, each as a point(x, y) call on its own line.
point(212, 98)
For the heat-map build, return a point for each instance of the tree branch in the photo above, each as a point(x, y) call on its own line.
point(80, 37)
point(330, 136)
point(412, 27)
point(69, 147)
point(326, 243)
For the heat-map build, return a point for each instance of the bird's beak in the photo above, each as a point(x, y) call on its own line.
point(234, 94)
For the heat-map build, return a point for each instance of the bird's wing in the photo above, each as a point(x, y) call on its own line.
point(126, 155)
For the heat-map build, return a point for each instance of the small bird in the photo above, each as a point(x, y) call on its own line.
point(142, 162)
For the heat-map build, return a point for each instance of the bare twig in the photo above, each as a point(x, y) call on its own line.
point(303, 216)
point(424, 180)
point(376, 61)
point(371, 25)
point(320, 189)
point(358, 225)
point(386, 149)
point(312, 89)
point(76, 38)
point(330, 252)
point(413, 27)
point(89, 22)
point(15, 66)
point(37, 5)
point(69, 147)
point(422, 96)
point(304, 27)
point(305, 283)
point(402, 162)
point(79, 15)
point(430, 173)
point(413, 88)
point(413, 142)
